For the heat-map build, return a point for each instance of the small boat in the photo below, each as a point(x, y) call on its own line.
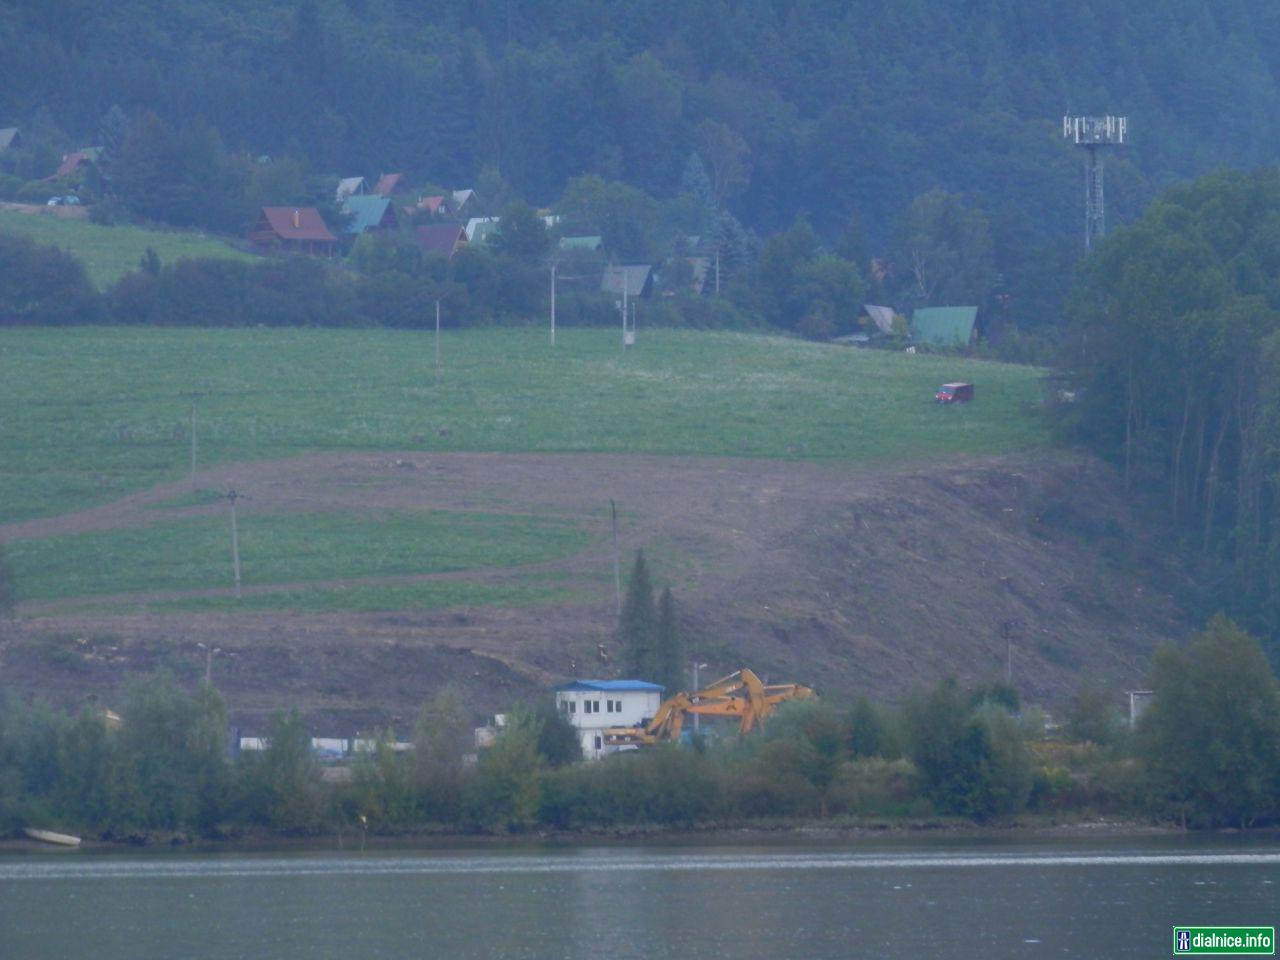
point(51, 836)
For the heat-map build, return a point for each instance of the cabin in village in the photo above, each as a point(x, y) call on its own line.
point(440, 239)
point(462, 201)
point(635, 281)
point(74, 162)
point(436, 206)
point(584, 244)
point(370, 212)
point(481, 230)
point(349, 187)
point(292, 229)
point(391, 183)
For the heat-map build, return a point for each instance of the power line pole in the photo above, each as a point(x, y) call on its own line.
point(232, 496)
point(437, 340)
point(554, 265)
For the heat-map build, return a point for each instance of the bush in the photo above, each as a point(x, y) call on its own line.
point(108, 213)
point(43, 285)
point(874, 787)
point(10, 186)
point(1211, 736)
point(972, 758)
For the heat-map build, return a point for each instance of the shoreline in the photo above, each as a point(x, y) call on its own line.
point(352, 841)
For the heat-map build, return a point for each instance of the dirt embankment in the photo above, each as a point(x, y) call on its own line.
point(851, 579)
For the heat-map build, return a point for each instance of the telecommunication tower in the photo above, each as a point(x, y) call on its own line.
point(1094, 134)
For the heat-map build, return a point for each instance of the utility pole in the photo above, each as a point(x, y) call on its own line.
point(193, 396)
point(625, 288)
point(554, 265)
point(717, 271)
point(617, 566)
point(232, 496)
point(437, 340)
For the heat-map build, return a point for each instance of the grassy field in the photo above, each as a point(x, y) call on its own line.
point(94, 413)
point(194, 554)
point(110, 252)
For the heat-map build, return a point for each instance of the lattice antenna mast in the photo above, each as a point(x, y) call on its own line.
point(1095, 134)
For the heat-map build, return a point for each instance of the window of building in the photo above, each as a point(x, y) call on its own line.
point(573, 707)
point(597, 738)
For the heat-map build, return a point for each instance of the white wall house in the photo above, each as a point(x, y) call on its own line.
point(592, 705)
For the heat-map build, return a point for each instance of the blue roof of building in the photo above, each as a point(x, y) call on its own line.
point(611, 686)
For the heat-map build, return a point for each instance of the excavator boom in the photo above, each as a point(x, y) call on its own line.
point(740, 694)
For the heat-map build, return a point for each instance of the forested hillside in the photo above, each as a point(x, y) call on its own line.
point(847, 112)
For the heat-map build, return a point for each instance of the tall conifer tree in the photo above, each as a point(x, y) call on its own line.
point(637, 622)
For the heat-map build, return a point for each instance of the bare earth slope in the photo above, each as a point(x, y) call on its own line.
point(852, 579)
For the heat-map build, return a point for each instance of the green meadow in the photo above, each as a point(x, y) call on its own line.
point(282, 548)
point(90, 414)
point(108, 253)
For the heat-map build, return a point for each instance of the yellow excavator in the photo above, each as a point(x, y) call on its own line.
point(741, 694)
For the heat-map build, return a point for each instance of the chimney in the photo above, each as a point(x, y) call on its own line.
point(297, 219)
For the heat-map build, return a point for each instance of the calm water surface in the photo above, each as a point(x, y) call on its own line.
point(914, 898)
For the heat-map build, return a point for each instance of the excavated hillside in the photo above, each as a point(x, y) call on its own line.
point(852, 579)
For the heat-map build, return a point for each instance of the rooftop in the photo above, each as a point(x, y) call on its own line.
point(612, 686)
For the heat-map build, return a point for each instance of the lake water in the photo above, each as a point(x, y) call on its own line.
point(930, 897)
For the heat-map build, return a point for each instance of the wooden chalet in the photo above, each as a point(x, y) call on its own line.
point(441, 239)
point(370, 213)
point(292, 229)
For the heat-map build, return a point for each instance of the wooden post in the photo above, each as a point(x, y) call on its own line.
point(437, 341)
point(554, 264)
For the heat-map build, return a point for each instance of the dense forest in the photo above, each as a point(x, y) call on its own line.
point(1175, 353)
point(847, 113)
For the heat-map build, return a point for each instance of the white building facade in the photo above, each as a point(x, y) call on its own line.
point(593, 705)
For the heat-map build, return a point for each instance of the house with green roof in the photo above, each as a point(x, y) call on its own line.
point(589, 244)
point(945, 326)
point(369, 212)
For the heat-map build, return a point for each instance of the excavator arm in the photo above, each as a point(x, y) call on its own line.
point(740, 694)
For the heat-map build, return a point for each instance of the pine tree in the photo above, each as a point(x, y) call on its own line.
point(636, 625)
point(695, 183)
point(668, 647)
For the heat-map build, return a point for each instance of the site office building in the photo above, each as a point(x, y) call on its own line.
point(593, 705)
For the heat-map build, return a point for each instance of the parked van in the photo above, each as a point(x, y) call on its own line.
point(954, 393)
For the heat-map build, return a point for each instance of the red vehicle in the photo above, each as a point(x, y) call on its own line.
point(954, 393)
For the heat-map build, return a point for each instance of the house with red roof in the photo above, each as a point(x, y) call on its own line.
point(293, 229)
point(390, 183)
point(436, 206)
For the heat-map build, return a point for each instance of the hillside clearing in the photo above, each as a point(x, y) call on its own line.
point(94, 414)
point(854, 578)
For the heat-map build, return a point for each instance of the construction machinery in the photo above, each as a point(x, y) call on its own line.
point(741, 694)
